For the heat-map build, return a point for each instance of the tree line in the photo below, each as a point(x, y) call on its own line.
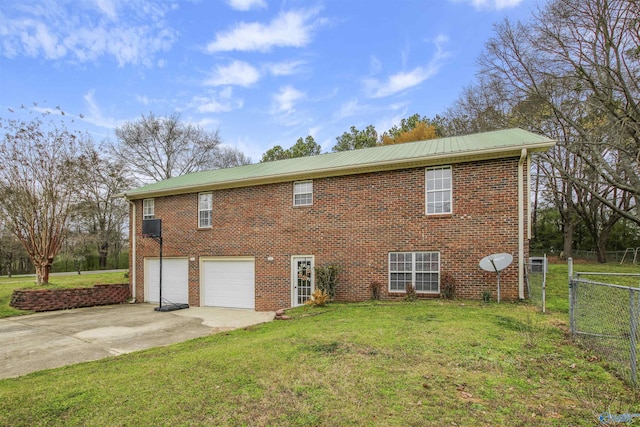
point(58, 187)
point(571, 71)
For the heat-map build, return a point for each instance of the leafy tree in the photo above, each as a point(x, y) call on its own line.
point(10, 250)
point(302, 148)
point(306, 147)
point(548, 236)
point(275, 153)
point(413, 128)
point(356, 139)
point(157, 148)
point(39, 179)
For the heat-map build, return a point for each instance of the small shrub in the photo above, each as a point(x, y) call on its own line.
point(486, 296)
point(327, 279)
point(319, 298)
point(447, 285)
point(375, 287)
point(411, 294)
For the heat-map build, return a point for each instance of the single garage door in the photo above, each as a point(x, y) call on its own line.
point(228, 282)
point(175, 280)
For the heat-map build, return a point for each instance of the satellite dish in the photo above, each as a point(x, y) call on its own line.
point(496, 263)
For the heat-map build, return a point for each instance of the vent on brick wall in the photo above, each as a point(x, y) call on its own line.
point(496, 263)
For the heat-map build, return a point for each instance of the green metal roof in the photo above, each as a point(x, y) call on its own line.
point(481, 146)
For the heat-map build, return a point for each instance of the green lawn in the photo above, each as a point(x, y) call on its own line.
point(420, 363)
point(7, 285)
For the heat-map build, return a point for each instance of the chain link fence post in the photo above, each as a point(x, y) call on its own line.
point(572, 298)
point(633, 325)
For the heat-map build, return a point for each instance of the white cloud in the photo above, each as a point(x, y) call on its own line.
point(244, 5)
point(403, 80)
point(38, 37)
point(285, 68)
point(348, 109)
point(398, 82)
point(291, 28)
point(108, 7)
point(237, 73)
point(285, 99)
point(94, 115)
point(207, 123)
point(492, 4)
point(217, 102)
point(133, 33)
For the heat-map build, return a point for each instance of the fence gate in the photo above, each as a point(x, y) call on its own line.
point(605, 317)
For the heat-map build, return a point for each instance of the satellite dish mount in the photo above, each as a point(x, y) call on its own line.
point(496, 263)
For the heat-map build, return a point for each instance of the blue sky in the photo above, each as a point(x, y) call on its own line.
point(263, 72)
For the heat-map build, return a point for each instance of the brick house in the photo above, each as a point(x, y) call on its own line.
point(250, 236)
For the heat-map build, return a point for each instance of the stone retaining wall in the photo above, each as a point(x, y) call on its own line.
point(59, 299)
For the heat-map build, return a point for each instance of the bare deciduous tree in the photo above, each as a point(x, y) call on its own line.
point(99, 213)
point(580, 61)
point(230, 157)
point(157, 148)
point(38, 186)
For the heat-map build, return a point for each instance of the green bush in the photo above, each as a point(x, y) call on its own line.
point(375, 287)
point(411, 294)
point(447, 285)
point(327, 279)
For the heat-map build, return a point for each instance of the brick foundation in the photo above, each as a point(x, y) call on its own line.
point(60, 299)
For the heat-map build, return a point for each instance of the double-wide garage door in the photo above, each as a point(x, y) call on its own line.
point(175, 280)
point(228, 282)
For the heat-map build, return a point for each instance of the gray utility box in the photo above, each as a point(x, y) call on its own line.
point(538, 264)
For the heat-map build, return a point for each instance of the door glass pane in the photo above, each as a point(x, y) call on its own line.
point(303, 280)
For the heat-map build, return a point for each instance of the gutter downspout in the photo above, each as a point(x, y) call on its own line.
point(529, 213)
point(523, 157)
point(133, 245)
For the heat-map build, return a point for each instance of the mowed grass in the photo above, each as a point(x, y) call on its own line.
point(8, 284)
point(426, 363)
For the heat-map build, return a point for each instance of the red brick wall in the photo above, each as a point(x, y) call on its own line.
point(59, 299)
point(354, 221)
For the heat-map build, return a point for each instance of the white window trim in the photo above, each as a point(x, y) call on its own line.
point(426, 191)
point(413, 271)
point(200, 210)
point(299, 193)
point(146, 215)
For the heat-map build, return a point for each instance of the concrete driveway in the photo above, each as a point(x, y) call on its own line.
point(50, 340)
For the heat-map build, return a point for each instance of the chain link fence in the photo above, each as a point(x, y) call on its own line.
point(536, 281)
point(604, 312)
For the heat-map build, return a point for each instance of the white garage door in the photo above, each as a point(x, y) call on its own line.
point(175, 280)
point(228, 282)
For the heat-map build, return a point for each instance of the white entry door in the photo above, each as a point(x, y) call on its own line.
point(302, 279)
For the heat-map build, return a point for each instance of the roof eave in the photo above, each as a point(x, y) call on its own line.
point(459, 157)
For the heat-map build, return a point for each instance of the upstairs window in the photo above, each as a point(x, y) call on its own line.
point(438, 192)
point(205, 210)
point(303, 193)
point(148, 208)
